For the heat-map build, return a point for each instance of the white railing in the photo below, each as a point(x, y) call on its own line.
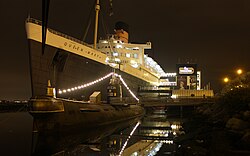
point(35, 21)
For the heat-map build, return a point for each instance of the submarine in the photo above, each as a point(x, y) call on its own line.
point(61, 123)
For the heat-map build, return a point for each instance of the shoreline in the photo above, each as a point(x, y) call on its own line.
point(222, 128)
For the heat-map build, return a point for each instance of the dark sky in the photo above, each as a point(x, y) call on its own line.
point(213, 33)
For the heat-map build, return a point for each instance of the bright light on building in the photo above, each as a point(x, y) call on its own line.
point(117, 60)
point(174, 126)
point(107, 59)
point(169, 74)
point(118, 46)
point(133, 61)
point(135, 65)
point(174, 96)
point(113, 64)
point(115, 54)
point(226, 79)
point(104, 41)
point(239, 71)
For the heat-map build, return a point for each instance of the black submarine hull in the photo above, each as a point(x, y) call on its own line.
point(60, 123)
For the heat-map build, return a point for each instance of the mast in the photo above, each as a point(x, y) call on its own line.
point(97, 9)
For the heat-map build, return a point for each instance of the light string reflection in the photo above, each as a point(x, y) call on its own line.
point(125, 144)
point(62, 91)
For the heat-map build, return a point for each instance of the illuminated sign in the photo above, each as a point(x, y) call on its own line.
point(186, 70)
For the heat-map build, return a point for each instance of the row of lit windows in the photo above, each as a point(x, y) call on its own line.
point(105, 47)
point(124, 61)
point(128, 55)
point(117, 47)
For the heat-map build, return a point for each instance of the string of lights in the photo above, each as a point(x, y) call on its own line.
point(123, 82)
point(61, 91)
point(131, 133)
point(84, 85)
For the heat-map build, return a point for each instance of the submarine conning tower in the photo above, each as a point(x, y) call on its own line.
point(121, 31)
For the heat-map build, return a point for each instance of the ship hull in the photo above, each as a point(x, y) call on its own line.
point(67, 70)
point(60, 124)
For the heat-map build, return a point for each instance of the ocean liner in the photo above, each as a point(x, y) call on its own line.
point(66, 71)
point(68, 63)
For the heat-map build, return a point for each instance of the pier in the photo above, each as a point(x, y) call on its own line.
point(165, 101)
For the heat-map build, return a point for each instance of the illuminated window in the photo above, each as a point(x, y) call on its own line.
point(104, 41)
point(136, 48)
point(118, 46)
point(115, 54)
point(117, 60)
point(135, 55)
point(128, 55)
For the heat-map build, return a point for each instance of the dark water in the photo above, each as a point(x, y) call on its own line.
point(154, 134)
point(15, 133)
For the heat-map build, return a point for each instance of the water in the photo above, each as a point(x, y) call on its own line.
point(15, 133)
point(153, 134)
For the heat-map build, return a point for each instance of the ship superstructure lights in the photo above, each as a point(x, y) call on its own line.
point(118, 46)
point(107, 59)
point(174, 96)
point(113, 64)
point(133, 61)
point(131, 133)
point(134, 64)
point(115, 54)
point(155, 149)
point(104, 41)
point(168, 75)
point(117, 60)
point(150, 63)
point(125, 51)
point(128, 55)
point(62, 91)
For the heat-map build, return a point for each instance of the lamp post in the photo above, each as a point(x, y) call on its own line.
point(239, 71)
point(226, 79)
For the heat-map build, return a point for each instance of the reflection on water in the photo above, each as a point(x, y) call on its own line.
point(154, 134)
point(158, 130)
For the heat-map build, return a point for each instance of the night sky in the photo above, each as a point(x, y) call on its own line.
point(215, 34)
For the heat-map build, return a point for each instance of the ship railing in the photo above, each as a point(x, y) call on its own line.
point(35, 21)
